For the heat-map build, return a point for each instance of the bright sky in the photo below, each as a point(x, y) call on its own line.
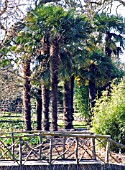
point(121, 11)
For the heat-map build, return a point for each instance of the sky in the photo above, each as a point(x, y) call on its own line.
point(121, 11)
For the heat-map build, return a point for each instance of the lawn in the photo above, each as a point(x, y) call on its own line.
point(14, 122)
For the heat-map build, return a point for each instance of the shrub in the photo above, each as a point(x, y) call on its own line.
point(109, 114)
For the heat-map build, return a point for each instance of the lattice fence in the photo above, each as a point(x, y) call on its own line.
point(53, 147)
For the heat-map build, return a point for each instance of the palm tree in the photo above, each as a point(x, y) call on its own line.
point(26, 93)
point(46, 82)
point(68, 88)
point(54, 62)
point(104, 25)
point(39, 108)
point(53, 19)
point(68, 103)
point(42, 77)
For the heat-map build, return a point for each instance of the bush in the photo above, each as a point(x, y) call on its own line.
point(109, 114)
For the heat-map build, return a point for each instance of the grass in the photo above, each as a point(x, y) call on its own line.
point(76, 124)
point(14, 122)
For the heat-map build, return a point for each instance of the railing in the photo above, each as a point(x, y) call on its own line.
point(48, 147)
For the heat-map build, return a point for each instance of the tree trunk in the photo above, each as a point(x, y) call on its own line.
point(68, 103)
point(92, 96)
point(108, 52)
point(54, 61)
point(39, 109)
point(72, 94)
point(45, 89)
point(26, 94)
point(45, 106)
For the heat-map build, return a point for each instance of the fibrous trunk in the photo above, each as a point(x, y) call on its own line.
point(68, 103)
point(54, 61)
point(26, 94)
point(45, 106)
point(39, 109)
point(92, 96)
point(45, 88)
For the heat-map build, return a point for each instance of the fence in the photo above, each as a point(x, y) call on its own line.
point(51, 147)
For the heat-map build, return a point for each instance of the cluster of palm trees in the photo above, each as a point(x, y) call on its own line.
point(64, 44)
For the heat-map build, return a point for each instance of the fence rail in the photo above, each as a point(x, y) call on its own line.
point(49, 147)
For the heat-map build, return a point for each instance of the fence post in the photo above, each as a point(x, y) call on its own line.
point(12, 134)
point(51, 148)
point(40, 148)
point(77, 159)
point(107, 151)
point(93, 148)
point(64, 147)
point(20, 150)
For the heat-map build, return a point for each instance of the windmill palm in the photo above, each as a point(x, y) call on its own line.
point(113, 27)
point(77, 28)
point(26, 93)
point(52, 19)
point(42, 76)
point(100, 68)
point(45, 86)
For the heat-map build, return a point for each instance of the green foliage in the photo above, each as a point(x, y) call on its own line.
point(54, 19)
point(98, 68)
point(109, 114)
point(106, 22)
point(81, 100)
point(5, 63)
point(114, 27)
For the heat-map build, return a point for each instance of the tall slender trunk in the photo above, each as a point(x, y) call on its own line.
point(68, 104)
point(92, 97)
point(26, 94)
point(45, 89)
point(72, 95)
point(39, 109)
point(108, 52)
point(45, 106)
point(54, 61)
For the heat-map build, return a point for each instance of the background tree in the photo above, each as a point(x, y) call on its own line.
point(10, 100)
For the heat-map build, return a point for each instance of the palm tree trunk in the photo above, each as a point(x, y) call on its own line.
point(39, 109)
point(45, 106)
point(68, 104)
point(92, 97)
point(54, 61)
point(45, 89)
point(72, 94)
point(108, 52)
point(26, 94)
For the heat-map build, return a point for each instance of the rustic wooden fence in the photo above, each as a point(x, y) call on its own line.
point(51, 147)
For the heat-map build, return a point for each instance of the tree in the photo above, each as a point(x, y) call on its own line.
point(54, 62)
point(44, 19)
point(68, 104)
point(68, 87)
point(39, 108)
point(26, 93)
point(10, 100)
point(108, 25)
point(59, 36)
